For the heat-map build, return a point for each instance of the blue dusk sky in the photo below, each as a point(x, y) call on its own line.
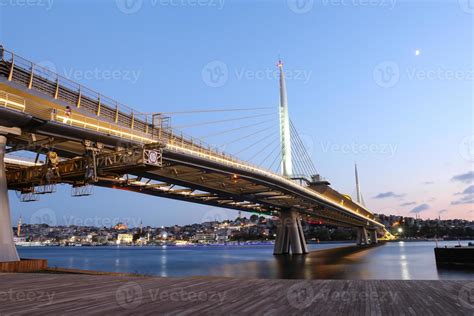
point(384, 83)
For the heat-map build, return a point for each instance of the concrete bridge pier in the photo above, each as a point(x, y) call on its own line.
point(362, 238)
point(373, 236)
point(7, 246)
point(290, 237)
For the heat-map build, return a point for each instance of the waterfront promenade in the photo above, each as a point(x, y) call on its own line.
point(52, 293)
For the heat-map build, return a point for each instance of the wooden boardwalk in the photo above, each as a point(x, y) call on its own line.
point(106, 295)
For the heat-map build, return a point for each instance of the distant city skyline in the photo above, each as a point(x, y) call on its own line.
point(396, 99)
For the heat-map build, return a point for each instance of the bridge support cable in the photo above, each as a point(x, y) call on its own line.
point(259, 141)
point(300, 160)
point(276, 160)
point(8, 251)
point(222, 121)
point(290, 236)
point(264, 148)
point(261, 164)
point(236, 129)
point(246, 136)
point(303, 151)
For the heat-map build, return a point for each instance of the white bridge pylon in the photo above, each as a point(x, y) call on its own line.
point(8, 251)
point(290, 236)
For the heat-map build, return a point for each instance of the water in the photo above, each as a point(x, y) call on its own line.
point(401, 260)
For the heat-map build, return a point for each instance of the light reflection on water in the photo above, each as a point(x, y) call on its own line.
point(400, 260)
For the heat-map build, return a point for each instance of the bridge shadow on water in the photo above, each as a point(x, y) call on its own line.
point(335, 263)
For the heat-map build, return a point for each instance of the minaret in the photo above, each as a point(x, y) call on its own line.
point(358, 195)
point(18, 231)
point(285, 138)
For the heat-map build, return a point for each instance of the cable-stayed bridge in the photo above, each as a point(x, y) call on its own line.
point(88, 139)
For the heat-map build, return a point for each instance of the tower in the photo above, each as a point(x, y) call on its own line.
point(358, 194)
point(18, 232)
point(285, 138)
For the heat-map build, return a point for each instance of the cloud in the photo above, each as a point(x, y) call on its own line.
point(428, 182)
point(464, 178)
point(469, 190)
point(469, 199)
point(390, 194)
point(408, 204)
point(420, 208)
point(442, 211)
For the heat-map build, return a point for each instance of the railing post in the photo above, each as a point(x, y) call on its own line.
point(10, 75)
point(116, 112)
point(98, 106)
point(56, 92)
point(132, 123)
point(78, 105)
point(30, 84)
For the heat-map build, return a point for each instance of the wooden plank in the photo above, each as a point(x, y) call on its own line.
point(108, 294)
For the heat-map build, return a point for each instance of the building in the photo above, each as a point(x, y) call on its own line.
point(124, 239)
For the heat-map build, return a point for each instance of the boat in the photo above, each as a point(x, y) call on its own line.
point(455, 257)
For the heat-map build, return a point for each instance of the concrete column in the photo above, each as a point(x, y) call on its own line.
point(373, 237)
point(7, 246)
point(290, 236)
point(362, 238)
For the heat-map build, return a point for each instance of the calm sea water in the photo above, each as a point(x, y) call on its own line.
point(401, 260)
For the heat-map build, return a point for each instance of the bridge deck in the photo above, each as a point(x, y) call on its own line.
point(92, 294)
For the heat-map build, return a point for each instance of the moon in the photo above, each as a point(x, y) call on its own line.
point(417, 52)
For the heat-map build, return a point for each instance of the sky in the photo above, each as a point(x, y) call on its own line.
point(386, 84)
